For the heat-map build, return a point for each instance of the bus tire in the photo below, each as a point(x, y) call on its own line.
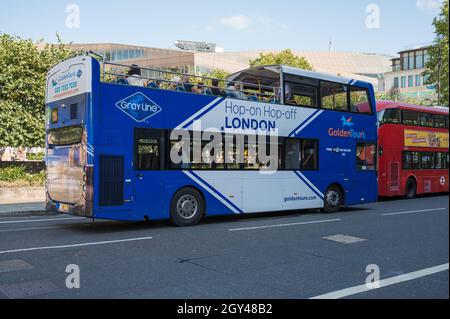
point(411, 188)
point(187, 207)
point(333, 199)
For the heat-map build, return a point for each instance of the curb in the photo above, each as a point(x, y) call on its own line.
point(28, 214)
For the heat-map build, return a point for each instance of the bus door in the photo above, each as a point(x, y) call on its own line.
point(148, 178)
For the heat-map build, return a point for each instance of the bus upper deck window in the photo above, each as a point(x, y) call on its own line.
point(359, 101)
point(55, 115)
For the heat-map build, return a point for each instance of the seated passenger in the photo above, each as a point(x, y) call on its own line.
point(239, 94)
point(253, 98)
point(215, 90)
point(197, 89)
point(231, 91)
point(186, 83)
point(153, 84)
point(175, 84)
point(134, 76)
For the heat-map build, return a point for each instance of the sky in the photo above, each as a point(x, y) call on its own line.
point(378, 26)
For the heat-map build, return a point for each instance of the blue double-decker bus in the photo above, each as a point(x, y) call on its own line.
point(129, 144)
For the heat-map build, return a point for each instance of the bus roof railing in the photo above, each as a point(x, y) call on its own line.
point(179, 74)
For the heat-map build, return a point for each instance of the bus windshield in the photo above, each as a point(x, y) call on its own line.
point(65, 136)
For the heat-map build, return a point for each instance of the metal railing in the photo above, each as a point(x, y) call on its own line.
point(172, 80)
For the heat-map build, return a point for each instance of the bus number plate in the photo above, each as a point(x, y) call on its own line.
point(64, 208)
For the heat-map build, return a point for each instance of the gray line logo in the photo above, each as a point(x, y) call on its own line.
point(139, 107)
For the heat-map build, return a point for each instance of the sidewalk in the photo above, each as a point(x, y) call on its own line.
point(22, 209)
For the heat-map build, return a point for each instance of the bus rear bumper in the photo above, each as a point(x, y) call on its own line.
point(81, 210)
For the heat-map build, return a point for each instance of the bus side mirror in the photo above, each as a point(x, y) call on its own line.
point(380, 150)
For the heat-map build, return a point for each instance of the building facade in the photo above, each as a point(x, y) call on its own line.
point(362, 66)
point(407, 77)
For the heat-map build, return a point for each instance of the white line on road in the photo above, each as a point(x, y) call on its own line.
point(286, 225)
point(75, 245)
point(27, 229)
point(384, 283)
point(415, 211)
point(40, 220)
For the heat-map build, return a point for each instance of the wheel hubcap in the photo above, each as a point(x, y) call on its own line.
point(333, 198)
point(187, 207)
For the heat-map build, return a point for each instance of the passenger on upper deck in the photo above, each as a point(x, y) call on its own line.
point(134, 76)
point(198, 89)
point(215, 90)
point(186, 83)
point(238, 93)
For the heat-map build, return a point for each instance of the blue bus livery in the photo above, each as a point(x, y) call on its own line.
point(109, 143)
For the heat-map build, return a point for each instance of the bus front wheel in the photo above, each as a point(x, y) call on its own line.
point(333, 199)
point(411, 188)
point(187, 207)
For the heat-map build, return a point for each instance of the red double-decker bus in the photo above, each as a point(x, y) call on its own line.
point(413, 149)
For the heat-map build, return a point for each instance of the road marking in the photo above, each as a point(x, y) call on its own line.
point(344, 239)
point(384, 283)
point(415, 211)
point(27, 229)
point(40, 220)
point(75, 245)
point(286, 225)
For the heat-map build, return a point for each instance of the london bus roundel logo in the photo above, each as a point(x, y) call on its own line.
point(443, 180)
point(139, 107)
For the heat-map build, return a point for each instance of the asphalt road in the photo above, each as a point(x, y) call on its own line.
point(259, 256)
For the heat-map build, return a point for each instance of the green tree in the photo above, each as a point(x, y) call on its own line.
point(286, 57)
point(439, 54)
point(23, 68)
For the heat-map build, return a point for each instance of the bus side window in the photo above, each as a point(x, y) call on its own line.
point(301, 95)
point(148, 153)
point(309, 155)
point(334, 96)
point(292, 154)
point(359, 101)
point(366, 156)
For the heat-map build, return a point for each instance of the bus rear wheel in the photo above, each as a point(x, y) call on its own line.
point(411, 189)
point(333, 199)
point(187, 207)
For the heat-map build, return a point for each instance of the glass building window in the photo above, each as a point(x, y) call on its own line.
point(419, 60)
point(418, 80)
point(403, 82)
point(405, 61)
point(410, 81)
point(426, 57)
point(411, 60)
point(119, 55)
point(396, 83)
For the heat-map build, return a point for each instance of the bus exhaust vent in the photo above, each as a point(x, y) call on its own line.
point(111, 181)
point(395, 176)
